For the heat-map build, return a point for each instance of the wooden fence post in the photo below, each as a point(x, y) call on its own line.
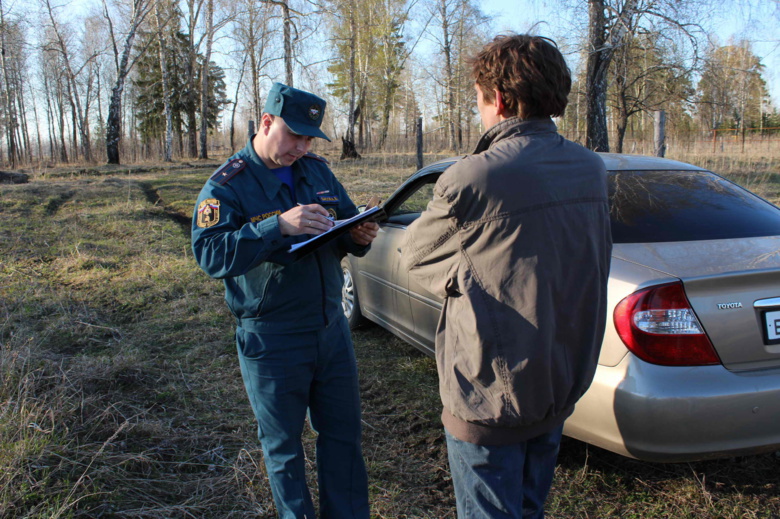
point(419, 143)
point(659, 133)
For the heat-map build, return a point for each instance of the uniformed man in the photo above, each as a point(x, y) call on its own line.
point(294, 344)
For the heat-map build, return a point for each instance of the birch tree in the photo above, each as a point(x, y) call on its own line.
point(71, 73)
point(149, 101)
point(9, 109)
point(456, 30)
point(731, 90)
point(161, 22)
point(252, 34)
point(287, 28)
point(123, 64)
point(193, 15)
point(370, 54)
point(346, 29)
point(204, 81)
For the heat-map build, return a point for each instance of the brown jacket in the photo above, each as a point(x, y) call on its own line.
point(517, 242)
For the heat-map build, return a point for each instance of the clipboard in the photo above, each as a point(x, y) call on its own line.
point(342, 226)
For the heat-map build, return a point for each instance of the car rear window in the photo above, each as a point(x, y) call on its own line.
point(661, 206)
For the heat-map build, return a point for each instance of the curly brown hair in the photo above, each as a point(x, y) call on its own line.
point(529, 71)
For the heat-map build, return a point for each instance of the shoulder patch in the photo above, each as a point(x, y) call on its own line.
point(314, 156)
point(208, 213)
point(227, 171)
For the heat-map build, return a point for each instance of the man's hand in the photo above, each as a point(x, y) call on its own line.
point(305, 219)
point(364, 233)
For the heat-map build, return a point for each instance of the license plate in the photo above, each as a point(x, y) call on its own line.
point(772, 327)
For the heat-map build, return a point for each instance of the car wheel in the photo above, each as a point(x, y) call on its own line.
point(349, 296)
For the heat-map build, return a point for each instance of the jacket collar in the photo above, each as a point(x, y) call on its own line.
point(514, 126)
point(268, 180)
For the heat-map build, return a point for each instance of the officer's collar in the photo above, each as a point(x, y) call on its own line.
point(269, 182)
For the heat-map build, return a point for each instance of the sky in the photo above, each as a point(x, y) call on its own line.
point(754, 20)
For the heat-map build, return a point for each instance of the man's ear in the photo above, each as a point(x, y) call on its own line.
point(265, 123)
point(499, 104)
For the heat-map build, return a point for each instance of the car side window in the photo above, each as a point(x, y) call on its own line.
point(415, 202)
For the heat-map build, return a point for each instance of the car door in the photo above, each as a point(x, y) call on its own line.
point(424, 307)
point(419, 308)
point(381, 282)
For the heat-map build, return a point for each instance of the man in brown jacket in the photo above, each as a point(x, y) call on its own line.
point(517, 242)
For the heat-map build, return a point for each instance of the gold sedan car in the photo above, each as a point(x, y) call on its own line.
point(690, 364)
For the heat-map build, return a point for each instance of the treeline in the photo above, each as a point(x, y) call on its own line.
point(126, 80)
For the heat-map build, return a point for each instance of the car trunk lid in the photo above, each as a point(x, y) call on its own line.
point(734, 289)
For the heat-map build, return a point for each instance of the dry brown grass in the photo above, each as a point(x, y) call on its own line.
point(120, 394)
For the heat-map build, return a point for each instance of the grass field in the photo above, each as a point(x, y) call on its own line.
point(120, 393)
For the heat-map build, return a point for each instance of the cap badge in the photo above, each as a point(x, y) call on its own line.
point(314, 112)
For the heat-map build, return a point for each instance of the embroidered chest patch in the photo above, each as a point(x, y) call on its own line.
point(208, 212)
point(326, 200)
point(264, 216)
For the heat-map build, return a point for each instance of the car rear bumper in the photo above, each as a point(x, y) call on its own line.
point(659, 413)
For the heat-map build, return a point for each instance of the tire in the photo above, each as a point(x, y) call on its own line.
point(349, 296)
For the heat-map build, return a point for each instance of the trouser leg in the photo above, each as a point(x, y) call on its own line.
point(335, 415)
point(539, 469)
point(487, 479)
point(278, 371)
point(503, 481)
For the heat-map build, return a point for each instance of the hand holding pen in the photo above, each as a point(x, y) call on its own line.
point(305, 219)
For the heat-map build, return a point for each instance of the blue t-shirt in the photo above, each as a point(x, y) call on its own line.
point(285, 174)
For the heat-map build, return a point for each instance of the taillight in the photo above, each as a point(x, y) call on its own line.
point(658, 325)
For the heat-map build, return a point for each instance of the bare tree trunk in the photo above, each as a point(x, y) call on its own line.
point(73, 119)
point(235, 106)
point(49, 116)
point(288, 60)
point(599, 56)
point(192, 101)
point(100, 102)
point(168, 139)
point(253, 34)
point(348, 150)
point(449, 79)
point(114, 121)
point(11, 116)
point(80, 121)
point(37, 123)
point(24, 127)
point(204, 81)
point(622, 108)
point(61, 103)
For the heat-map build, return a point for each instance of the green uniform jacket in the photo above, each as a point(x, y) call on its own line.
point(236, 238)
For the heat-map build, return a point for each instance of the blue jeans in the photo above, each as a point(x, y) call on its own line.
point(287, 375)
point(503, 481)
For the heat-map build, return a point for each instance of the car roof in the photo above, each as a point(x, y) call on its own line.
point(613, 162)
point(623, 162)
